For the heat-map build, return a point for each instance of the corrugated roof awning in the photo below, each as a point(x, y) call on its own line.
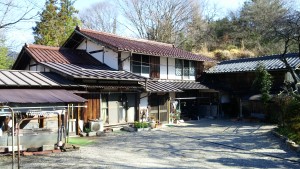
point(38, 96)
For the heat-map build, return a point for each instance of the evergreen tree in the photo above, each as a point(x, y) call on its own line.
point(56, 23)
point(263, 82)
point(46, 32)
point(67, 20)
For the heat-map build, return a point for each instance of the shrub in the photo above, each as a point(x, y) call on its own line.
point(289, 121)
point(141, 124)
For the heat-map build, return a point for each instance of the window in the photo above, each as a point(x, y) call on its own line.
point(178, 67)
point(140, 64)
point(184, 67)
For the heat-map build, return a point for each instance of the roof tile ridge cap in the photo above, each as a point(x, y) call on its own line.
point(42, 47)
point(127, 38)
point(239, 59)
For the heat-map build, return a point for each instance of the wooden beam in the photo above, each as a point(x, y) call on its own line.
point(96, 51)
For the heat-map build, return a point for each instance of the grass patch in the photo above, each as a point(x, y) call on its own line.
point(292, 135)
point(80, 141)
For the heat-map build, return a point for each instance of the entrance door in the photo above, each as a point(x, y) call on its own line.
point(114, 109)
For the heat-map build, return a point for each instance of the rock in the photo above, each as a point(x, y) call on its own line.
point(92, 133)
point(108, 130)
point(82, 134)
point(130, 129)
point(100, 133)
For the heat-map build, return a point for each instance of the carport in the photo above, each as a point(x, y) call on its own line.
point(30, 94)
point(43, 112)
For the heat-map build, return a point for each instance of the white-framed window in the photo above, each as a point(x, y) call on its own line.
point(141, 64)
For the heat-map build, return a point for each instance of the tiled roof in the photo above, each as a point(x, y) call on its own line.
point(140, 45)
point(170, 86)
point(272, 62)
point(92, 72)
point(25, 78)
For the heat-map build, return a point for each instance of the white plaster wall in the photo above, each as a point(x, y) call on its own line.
point(40, 68)
point(171, 67)
point(126, 63)
point(110, 57)
point(32, 68)
point(143, 101)
point(163, 68)
point(192, 78)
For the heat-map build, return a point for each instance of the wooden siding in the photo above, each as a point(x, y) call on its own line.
point(93, 107)
point(154, 67)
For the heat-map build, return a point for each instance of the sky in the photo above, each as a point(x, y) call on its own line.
point(23, 32)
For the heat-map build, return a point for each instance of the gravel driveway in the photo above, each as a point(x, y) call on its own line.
point(197, 144)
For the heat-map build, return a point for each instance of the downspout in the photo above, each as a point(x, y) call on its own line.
point(167, 68)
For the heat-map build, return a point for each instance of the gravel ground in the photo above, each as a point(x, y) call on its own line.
point(197, 144)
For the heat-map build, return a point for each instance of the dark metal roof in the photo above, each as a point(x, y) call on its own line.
point(174, 86)
point(141, 46)
point(38, 96)
point(42, 53)
point(272, 62)
point(62, 81)
point(92, 72)
point(25, 78)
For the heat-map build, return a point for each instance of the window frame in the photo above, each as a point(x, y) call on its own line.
point(185, 68)
point(140, 64)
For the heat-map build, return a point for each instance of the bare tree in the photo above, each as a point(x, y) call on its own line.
point(15, 11)
point(101, 16)
point(160, 20)
point(287, 29)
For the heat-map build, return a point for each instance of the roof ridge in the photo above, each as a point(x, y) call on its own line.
point(125, 37)
point(254, 58)
point(41, 46)
point(49, 47)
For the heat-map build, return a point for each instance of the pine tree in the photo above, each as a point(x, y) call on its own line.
point(45, 32)
point(56, 23)
point(67, 19)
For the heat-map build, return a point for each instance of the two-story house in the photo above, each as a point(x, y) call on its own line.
point(123, 79)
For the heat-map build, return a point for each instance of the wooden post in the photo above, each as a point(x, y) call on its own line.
point(85, 113)
point(78, 119)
